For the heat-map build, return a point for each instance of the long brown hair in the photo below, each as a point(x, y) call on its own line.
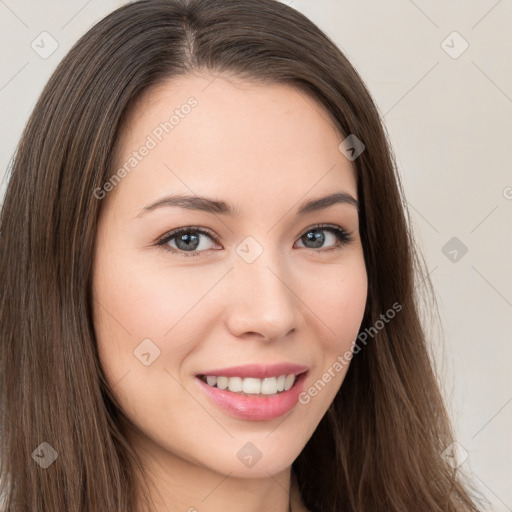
point(380, 445)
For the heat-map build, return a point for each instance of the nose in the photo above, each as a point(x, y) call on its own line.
point(262, 299)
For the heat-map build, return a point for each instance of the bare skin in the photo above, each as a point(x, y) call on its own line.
point(265, 149)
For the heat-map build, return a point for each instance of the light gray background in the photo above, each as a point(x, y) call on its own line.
point(449, 117)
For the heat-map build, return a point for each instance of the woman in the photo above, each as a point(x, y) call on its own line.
point(281, 366)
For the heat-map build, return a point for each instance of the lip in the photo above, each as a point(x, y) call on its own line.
point(258, 371)
point(255, 408)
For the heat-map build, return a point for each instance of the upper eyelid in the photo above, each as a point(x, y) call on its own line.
point(175, 232)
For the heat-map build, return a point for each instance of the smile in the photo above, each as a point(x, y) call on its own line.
point(251, 385)
point(253, 398)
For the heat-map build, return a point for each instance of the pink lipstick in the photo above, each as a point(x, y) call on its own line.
point(255, 392)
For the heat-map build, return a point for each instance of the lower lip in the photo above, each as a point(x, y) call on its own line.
point(257, 408)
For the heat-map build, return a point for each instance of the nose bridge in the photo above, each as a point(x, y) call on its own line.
point(262, 299)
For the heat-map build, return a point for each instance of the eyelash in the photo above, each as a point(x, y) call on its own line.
point(343, 238)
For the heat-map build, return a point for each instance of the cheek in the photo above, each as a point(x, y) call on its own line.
point(140, 336)
point(338, 308)
point(345, 313)
point(339, 303)
point(136, 301)
point(142, 296)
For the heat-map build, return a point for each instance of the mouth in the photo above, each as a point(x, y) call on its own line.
point(254, 398)
point(252, 386)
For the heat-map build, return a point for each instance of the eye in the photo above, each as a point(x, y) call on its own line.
point(188, 239)
point(315, 238)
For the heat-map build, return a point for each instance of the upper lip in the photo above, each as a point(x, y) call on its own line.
point(258, 371)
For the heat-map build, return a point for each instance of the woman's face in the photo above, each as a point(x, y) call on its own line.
point(254, 281)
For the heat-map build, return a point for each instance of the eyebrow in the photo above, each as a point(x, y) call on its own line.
point(208, 205)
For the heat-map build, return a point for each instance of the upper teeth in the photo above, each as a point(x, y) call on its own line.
point(267, 386)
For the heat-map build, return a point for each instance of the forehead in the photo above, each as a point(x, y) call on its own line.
point(222, 136)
